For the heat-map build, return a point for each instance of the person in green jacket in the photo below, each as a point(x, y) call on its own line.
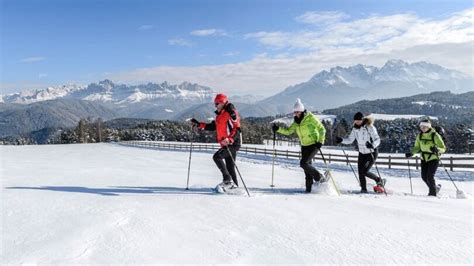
point(431, 145)
point(311, 133)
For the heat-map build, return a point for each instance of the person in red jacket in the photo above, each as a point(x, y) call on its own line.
point(228, 135)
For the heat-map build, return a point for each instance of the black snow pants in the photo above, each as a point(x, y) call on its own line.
point(428, 171)
point(307, 155)
point(227, 168)
point(364, 163)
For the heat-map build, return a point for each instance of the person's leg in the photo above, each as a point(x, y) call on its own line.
point(361, 167)
point(230, 164)
point(307, 155)
point(368, 166)
point(219, 158)
point(432, 166)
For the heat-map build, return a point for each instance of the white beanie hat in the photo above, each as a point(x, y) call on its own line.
point(299, 107)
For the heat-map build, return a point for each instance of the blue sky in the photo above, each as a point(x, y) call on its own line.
point(254, 46)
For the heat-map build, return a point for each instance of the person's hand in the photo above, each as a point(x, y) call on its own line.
point(434, 149)
point(275, 127)
point(194, 122)
point(318, 145)
point(408, 155)
point(369, 145)
point(338, 140)
point(226, 142)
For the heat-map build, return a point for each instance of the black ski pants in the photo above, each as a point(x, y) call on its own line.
point(428, 171)
point(225, 163)
point(307, 155)
point(364, 163)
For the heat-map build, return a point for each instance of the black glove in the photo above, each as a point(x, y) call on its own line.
point(195, 122)
point(408, 155)
point(318, 145)
point(275, 127)
point(434, 149)
point(339, 140)
point(369, 145)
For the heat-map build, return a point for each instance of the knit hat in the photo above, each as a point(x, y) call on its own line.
point(425, 123)
point(358, 116)
point(299, 107)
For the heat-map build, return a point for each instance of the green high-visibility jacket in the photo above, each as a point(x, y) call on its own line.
point(425, 141)
point(310, 130)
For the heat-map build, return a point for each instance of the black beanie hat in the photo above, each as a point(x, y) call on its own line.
point(358, 116)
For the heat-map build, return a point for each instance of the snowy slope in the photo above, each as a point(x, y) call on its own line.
point(104, 203)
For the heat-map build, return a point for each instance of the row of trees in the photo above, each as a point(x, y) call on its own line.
point(397, 136)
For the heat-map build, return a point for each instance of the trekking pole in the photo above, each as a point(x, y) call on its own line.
point(190, 152)
point(409, 176)
point(459, 193)
point(353, 171)
point(329, 173)
point(273, 162)
point(378, 172)
point(232, 158)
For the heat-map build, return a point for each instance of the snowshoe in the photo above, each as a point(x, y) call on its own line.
point(363, 191)
point(379, 189)
point(225, 187)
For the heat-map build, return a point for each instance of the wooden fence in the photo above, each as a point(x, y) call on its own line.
point(390, 161)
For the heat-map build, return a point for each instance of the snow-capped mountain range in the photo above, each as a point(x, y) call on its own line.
point(108, 92)
point(345, 85)
point(328, 89)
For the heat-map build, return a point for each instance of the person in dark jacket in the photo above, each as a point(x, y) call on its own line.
point(228, 135)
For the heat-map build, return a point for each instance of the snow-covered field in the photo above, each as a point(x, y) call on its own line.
point(105, 203)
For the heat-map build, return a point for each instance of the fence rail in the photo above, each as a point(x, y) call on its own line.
point(389, 161)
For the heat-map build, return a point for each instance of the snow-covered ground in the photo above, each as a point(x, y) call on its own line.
point(106, 203)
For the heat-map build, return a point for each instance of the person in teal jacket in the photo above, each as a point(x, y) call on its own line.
point(430, 145)
point(311, 133)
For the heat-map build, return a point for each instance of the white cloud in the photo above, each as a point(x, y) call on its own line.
point(145, 27)
point(42, 75)
point(324, 17)
point(33, 59)
point(208, 32)
point(374, 33)
point(232, 53)
point(371, 40)
point(179, 42)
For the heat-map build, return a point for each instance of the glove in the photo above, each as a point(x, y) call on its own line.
point(369, 145)
point(275, 128)
point(338, 140)
point(434, 149)
point(226, 142)
point(194, 122)
point(318, 145)
point(408, 155)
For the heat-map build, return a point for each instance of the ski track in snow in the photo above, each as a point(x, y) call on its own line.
point(103, 203)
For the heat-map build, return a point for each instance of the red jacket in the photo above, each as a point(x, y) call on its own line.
point(226, 124)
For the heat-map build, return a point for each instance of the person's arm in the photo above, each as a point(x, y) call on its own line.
point(350, 138)
point(416, 149)
point(319, 134)
point(374, 136)
point(208, 126)
point(287, 131)
point(439, 143)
